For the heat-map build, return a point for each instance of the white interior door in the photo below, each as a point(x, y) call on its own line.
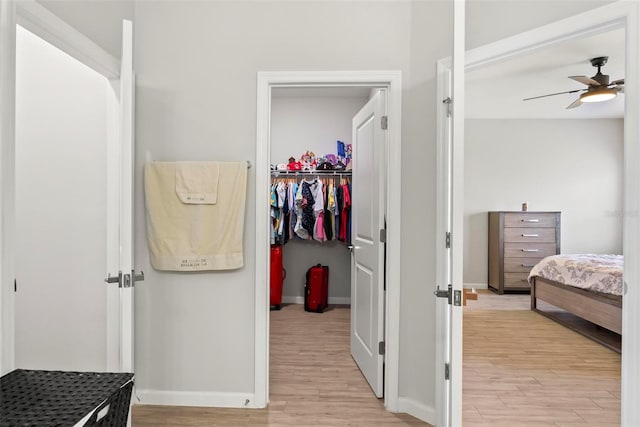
point(127, 110)
point(450, 176)
point(367, 276)
point(74, 177)
point(120, 270)
point(457, 210)
point(443, 242)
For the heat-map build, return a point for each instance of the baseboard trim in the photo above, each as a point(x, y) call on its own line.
point(475, 286)
point(195, 398)
point(332, 300)
point(418, 410)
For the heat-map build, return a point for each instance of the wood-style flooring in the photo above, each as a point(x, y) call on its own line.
point(313, 381)
point(520, 369)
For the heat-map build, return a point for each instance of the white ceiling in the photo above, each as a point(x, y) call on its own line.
point(496, 91)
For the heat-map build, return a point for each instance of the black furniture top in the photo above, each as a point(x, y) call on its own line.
point(56, 398)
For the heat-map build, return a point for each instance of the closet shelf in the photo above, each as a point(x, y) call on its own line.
point(315, 172)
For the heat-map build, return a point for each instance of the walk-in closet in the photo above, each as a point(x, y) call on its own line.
point(306, 124)
point(312, 148)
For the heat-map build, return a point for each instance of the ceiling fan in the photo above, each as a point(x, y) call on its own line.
point(599, 89)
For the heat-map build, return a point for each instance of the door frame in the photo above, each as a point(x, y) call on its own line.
point(619, 14)
point(48, 26)
point(391, 81)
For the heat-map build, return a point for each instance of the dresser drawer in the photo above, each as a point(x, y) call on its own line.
point(525, 234)
point(519, 265)
point(529, 250)
point(516, 280)
point(517, 219)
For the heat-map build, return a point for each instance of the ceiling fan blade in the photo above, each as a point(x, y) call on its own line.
point(554, 94)
point(619, 82)
point(575, 104)
point(585, 80)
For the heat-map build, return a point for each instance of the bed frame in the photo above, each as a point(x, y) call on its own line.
point(605, 311)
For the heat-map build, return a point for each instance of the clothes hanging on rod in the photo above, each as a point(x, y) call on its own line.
point(310, 206)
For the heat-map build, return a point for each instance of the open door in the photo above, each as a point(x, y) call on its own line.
point(367, 250)
point(122, 276)
point(450, 228)
point(457, 211)
point(64, 301)
point(127, 99)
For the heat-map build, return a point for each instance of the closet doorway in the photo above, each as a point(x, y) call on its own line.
point(291, 122)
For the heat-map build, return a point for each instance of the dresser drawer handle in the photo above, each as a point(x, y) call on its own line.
point(530, 220)
point(530, 235)
point(527, 265)
point(530, 250)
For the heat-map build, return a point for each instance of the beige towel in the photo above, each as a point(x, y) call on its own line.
point(195, 237)
point(197, 182)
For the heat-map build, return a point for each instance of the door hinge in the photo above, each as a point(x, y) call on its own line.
point(446, 371)
point(384, 122)
point(383, 235)
point(447, 240)
point(381, 348)
point(15, 285)
point(447, 101)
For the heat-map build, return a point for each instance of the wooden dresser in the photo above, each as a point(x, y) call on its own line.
point(517, 241)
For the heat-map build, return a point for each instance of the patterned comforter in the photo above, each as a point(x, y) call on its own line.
point(601, 273)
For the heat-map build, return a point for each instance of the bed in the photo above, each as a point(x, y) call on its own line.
point(582, 292)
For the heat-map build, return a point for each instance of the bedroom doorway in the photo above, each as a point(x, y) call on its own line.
point(596, 21)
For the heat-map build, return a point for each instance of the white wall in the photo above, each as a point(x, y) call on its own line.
point(196, 99)
point(572, 166)
point(315, 123)
point(61, 128)
point(431, 39)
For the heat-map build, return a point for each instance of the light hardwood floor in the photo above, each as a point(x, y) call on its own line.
point(520, 368)
point(313, 381)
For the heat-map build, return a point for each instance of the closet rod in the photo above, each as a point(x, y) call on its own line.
point(316, 172)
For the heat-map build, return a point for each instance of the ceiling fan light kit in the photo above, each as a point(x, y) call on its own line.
point(599, 89)
point(600, 95)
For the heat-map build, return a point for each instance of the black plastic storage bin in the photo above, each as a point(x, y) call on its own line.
point(57, 398)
